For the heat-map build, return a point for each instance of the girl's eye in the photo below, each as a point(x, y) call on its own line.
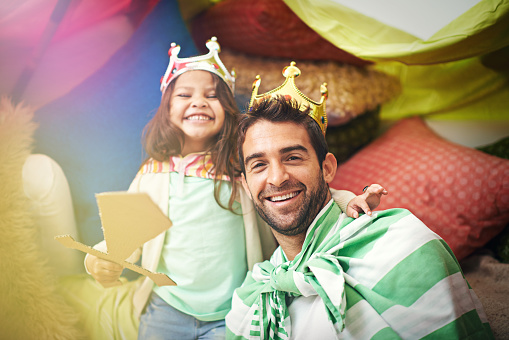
point(185, 95)
point(212, 96)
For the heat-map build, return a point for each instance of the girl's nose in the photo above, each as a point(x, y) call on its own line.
point(200, 102)
point(277, 174)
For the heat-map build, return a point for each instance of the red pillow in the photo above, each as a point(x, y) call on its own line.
point(460, 193)
point(266, 28)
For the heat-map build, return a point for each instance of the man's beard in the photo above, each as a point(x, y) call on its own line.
point(313, 202)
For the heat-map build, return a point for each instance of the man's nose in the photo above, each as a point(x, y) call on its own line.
point(277, 174)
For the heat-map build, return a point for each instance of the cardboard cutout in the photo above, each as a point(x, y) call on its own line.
point(128, 221)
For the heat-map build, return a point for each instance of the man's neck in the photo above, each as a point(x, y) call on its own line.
point(292, 245)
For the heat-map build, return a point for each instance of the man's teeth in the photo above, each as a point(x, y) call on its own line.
point(198, 118)
point(283, 197)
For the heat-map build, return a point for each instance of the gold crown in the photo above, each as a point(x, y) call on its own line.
point(289, 90)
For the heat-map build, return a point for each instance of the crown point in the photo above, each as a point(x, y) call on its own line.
point(258, 80)
point(323, 89)
point(174, 50)
point(213, 45)
point(291, 71)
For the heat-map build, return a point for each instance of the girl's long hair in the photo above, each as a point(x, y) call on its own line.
point(161, 139)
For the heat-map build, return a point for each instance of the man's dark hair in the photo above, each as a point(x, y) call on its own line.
point(280, 110)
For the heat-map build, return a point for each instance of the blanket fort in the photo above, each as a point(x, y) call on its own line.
point(128, 221)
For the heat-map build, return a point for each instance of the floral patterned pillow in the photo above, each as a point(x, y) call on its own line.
point(460, 193)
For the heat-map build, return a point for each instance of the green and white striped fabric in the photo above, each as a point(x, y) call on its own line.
point(381, 277)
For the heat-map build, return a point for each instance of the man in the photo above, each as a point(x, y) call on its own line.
point(381, 276)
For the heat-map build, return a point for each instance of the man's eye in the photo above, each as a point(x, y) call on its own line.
point(294, 158)
point(256, 166)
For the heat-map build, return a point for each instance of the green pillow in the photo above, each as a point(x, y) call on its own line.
point(499, 148)
point(500, 243)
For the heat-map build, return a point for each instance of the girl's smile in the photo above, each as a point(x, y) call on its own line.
point(198, 117)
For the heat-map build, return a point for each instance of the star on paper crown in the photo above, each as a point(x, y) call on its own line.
point(289, 90)
point(207, 62)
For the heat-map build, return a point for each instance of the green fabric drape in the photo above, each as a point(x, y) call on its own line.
point(460, 72)
point(482, 29)
point(463, 89)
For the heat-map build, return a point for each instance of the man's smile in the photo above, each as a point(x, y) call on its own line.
point(283, 197)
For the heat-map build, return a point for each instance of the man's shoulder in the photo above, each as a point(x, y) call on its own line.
point(387, 227)
point(387, 217)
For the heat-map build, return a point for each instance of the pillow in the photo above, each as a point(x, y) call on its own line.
point(460, 193)
point(345, 140)
point(50, 202)
point(353, 90)
point(265, 28)
point(500, 244)
point(500, 148)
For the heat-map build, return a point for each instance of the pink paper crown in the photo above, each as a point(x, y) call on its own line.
point(207, 62)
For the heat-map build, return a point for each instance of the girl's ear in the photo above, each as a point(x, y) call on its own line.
point(329, 167)
point(246, 188)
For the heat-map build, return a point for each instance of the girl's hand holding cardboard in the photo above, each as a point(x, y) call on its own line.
point(105, 272)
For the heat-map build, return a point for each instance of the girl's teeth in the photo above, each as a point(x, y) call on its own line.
point(283, 197)
point(198, 118)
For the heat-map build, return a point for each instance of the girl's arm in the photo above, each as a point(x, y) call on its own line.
point(366, 202)
point(353, 205)
point(342, 198)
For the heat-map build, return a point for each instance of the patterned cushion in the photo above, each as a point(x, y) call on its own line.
point(460, 193)
point(265, 28)
point(345, 140)
point(353, 90)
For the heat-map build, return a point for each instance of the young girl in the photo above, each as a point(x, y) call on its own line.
point(191, 174)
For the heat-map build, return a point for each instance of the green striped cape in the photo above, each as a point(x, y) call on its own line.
point(381, 277)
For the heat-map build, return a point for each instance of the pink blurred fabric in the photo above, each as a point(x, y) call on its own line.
point(89, 34)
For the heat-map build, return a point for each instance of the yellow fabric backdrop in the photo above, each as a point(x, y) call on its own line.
point(482, 29)
point(447, 74)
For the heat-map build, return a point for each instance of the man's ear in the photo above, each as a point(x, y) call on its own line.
point(329, 167)
point(246, 188)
